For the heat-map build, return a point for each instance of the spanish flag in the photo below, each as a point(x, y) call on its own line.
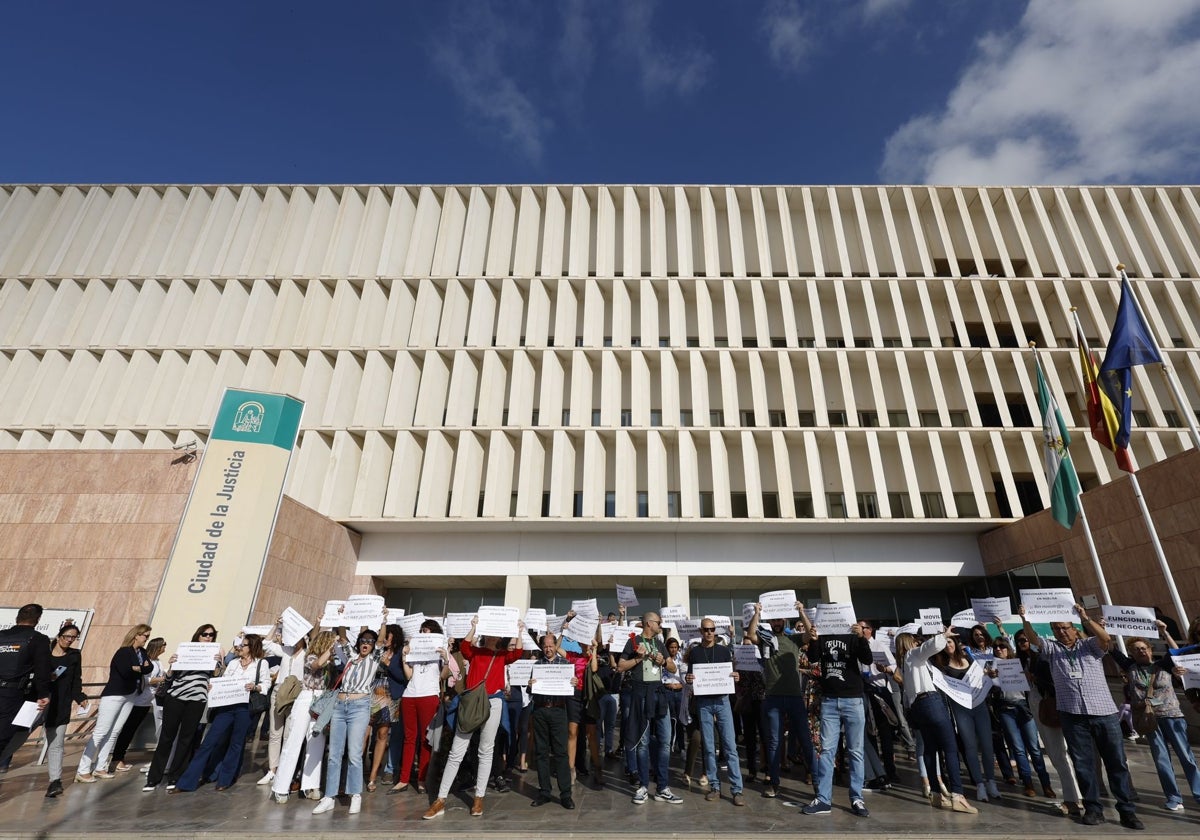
point(1102, 414)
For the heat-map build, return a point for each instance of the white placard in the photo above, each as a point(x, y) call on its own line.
point(1010, 676)
point(963, 618)
point(618, 631)
point(626, 597)
point(27, 715)
point(196, 656)
point(528, 642)
point(1190, 663)
point(712, 678)
point(931, 620)
point(582, 629)
point(227, 691)
point(263, 630)
point(499, 622)
point(363, 611)
point(672, 615)
point(778, 604)
point(881, 652)
point(458, 625)
point(519, 672)
point(294, 627)
point(553, 680)
point(411, 624)
point(722, 621)
point(424, 647)
point(834, 619)
point(1131, 621)
point(747, 614)
point(911, 627)
point(746, 658)
point(688, 628)
point(585, 607)
point(554, 623)
point(535, 619)
point(957, 690)
point(394, 614)
point(331, 616)
point(1049, 605)
point(985, 609)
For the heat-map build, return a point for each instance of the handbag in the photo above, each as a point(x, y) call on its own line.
point(322, 707)
point(1048, 713)
point(286, 693)
point(474, 706)
point(1145, 721)
point(259, 701)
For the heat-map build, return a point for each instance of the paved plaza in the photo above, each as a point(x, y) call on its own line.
point(118, 808)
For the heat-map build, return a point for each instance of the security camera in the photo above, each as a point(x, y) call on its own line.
point(187, 447)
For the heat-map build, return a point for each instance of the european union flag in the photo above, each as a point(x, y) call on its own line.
point(1130, 344)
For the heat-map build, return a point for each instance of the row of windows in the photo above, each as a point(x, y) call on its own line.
point(866, 505)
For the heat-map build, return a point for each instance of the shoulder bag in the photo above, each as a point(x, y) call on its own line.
point(286, 693)
point(322, 706)
point(473, 705)
point(259, 701)
point(1145, 721)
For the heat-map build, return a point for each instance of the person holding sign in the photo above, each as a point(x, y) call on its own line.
point(299, 733)
point(928, 713)
point(969, 708)
point(1090, 720)
point(1012, 708)
point(714, 710)
point(230, 724)
point(840, 660)
point(1151, 691)
point(645, 657)
point(782, 658)
point(487, 660)
point(418, 705)
point(550, 731)
point(187, 696)
point(584, 659)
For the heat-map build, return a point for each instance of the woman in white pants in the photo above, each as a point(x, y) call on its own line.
point(66, 687)
point(296, 730)
point(126, 672)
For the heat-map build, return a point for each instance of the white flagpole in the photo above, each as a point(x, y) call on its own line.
point(1158, 549)
point(1167, 371)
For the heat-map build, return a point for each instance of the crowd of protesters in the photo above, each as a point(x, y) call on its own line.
point(823, 707)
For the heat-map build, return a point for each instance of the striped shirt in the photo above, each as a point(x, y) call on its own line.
point(360, 676)
point(190, 685)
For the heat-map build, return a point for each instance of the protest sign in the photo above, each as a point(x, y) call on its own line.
point(712, 678)
point(196, 656)
point(671, 615)
point(585, 607)
point(746, 658)
point(1049, 605)
point(1131, 621)
point(582, 629)
point(411, 624)
point(834, 619)
point(295, 626)
point(425, 647)
point(626, 597)
point(986, 609)
point(1009, 675)
point(519, 672)
point(331, 616)
point(778, 604)
point(535, 619)
point(458, 625)
point(553, 680)
point(227, 691)
point(931, 620)
point(499, 622)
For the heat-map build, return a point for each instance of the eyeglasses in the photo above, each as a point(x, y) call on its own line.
point(370, 642)
point(68, 637)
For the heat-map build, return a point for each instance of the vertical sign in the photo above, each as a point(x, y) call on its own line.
point(217, 559)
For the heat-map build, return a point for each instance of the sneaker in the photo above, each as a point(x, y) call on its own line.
point(959, 803)
point(1131, 821)
point(280, 798)
point(816, 808)
point(639, 796)
point(739, 800)
point(356, 803)
point(145, 789)
point(1170, 806)
point(769, 792)
point(502, 785)
point(859, 808)
point(144, 769)
point(56, 789)
point(437, 809)
point(713, 795)
point(312, 793)
point(324, 806)
point(170, 787)
point(267, 779)
point(665, 795)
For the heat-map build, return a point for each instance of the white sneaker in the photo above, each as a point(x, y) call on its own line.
point(324, 806)
point(267, 779)
point(355, 803)
point(145, 768)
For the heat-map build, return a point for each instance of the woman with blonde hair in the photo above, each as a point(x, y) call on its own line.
point(298, 732)
point(127, 671)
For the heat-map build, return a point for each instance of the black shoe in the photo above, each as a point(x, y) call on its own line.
point(540, 800)
point(1091, 818)
point(878, 783)
point(569, 804)
point(55, 789)
point(501, 785)
point(1131, 821)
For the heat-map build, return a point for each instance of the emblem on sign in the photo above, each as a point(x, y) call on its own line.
point(249, 418)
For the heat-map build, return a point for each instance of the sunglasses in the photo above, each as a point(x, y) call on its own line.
point(708, 629)
point(207, 635)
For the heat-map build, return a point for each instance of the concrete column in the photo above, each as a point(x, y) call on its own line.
point(834, 590)
point(517, 592)
point(679, 591)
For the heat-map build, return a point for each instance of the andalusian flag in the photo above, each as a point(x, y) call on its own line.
point(1060, 472)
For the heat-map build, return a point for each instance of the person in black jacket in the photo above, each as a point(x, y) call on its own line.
point(24, 654)
point(128, 667)
point(66, 687)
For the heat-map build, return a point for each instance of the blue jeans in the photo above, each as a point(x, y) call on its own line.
point(651, 721)
point(1018, 722)
point(774, 707)
point(608, 721)
point(930, 716)
point(1104, 732)
point(715, 710)
point(1172, 733)
point(975, 729)
point(838, 713)
point(229, 721)
point(347, 729)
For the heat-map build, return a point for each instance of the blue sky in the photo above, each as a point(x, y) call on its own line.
point(781, 91)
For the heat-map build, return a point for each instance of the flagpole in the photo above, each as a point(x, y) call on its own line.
point(1167, 371)
point(1087, 529)
point(1158, 549)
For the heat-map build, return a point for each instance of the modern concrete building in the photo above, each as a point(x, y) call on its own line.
point(531, 393)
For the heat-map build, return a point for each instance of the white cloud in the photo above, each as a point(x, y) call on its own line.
point(1082, 91)
point(471, 55)
point(875, 9)
point(788, 40)
point(663, 69)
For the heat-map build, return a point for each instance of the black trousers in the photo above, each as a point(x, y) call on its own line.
point(11, 700)
point(181, 718)
point(136, 715)
point(550, 744)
